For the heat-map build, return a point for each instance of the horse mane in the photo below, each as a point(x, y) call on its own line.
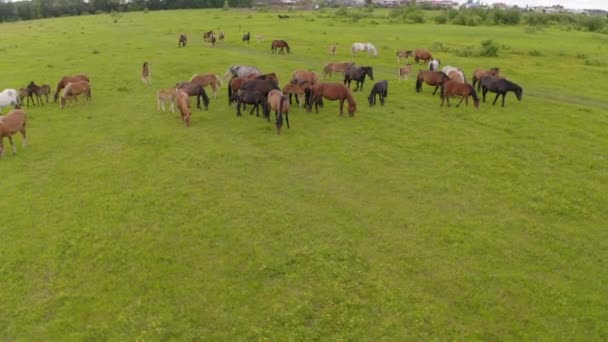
point(444, 75)
point(350, 98)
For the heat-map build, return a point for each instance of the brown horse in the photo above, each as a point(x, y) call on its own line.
point(39, 91)
point(183, 40)
point(145, 73)
point(195, 89)
point(341, 67)
point(24, 93)
point(306, 79)
point(422, 55)
point(333, 92)
point(10, 124)
point(278, 102)
point(432, 78)
point(403, 55)
point(296, 90)
point(234, 85)
point(183, 104)
point(404, 72)
point(279, 44)
point(67, 79)
point(479, 73)
point(75, 89)
point(212, 80)
point(454, 88)
point(164, 96)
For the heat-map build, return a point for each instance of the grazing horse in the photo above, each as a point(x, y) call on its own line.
point(404, 72)
point(221, 35)
point(246, 37)
point(500, 86)
point(278, 102)
point(434, 65)
point(261, 86)
point(403, 55)
point(283, 17)
point(234, 85)
point(9, 97)
point(332, 49)
point(242, 71)
point(479, 73)
point(454, 73)
point(207, 36)
point(75, 89)
point(305, 79)
point(164, 96)
point(369, 47)
point(212, 80)
point(336, 67)
point(183, 40)
point(253, 98)
point(279, 44)
point(332, 92)
point(298, 91)
point(67, 79)
point(10, 124)
point(145, 73)
point(422, 55)
point(432, 78)
point(454, 88)
point(357, 74)
point(39, 91)
point(195, 89)
point(183, 104)
point(380, 89)
point(212, 40)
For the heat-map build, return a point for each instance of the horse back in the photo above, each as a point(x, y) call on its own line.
point(12, 122)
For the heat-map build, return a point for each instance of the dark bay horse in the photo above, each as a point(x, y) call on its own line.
point(67, 79)
point(479, 73)
point(246, 37)
point(332, 92)
point(500, 86)
point(279, 44)
point(195, 89)
point(39, 91)
point(183, 40)
point(261, 86)
point(380, 89)
point(432, 78)
point(357, 74)
point(454, 88)
point(253, 98)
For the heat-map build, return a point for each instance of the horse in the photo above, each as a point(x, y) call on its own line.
point(207, 36)
point(432, 78)
point(270, 76)
point(234, 85)
point(404, 72)
point(454, 88)
point(242, 71)
point(44, 89)
point(221, 35)
point(195, 89)
point(454, 73)
point(369, 47)
point(283, 17)
point(164, 96)
point(332, 92)
point(332, 49)
point(500, 86)
point(253, 98)
point(75, 89)
point(357, 74)
point(183, 104)
point(11, 123)
point(212, 40)
point(306, 79)
point(479, 73)
point(340, 67)
point(422, 55)
point(183, 40)
point(145, 73)
point(9, 97)
point(277, 101)
point(259, 37)
point(212, 80)
point(279, 44)
point(246, 37)
point(403, 55)
point(295, 90)
point(23, 94)
point(434, 65)
point(67, 79)
point(380, 88)
point(261, 86)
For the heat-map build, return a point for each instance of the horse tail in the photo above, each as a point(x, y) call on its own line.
point(473, 93)
point(419, 82)
point(229, 90)
point(279, 122)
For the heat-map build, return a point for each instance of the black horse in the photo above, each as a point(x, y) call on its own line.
point(253, 98)
point(246, 37)
point(195, 89)
point(380, 89)
point(500, 86)
point(261, 86)
point(357, 74)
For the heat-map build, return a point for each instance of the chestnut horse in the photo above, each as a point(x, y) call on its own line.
point(278, 102)
point(183, 104)
point(432, 78)
point(306, 79)
point(454, 88)
point(67, 79)
point(479, 73)
point(333, 92)
point(212, 80)
point(75, 89)
point(279, 44)
point(10, 124)
point(422, 55)
point(234, 85)
point(336, 67)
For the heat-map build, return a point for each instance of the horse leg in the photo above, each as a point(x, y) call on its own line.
point(238, 107)
point(496, 98)
point(484, 92)
point(464, 97)
point(22, 131)
point(341, 107)
point(436, 87)
point(503, 99)
point(10, 139)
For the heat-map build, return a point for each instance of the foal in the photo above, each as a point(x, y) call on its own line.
point(44, 89)
point(332, 49)
point(10, 124)
point(294, 89)
point(164, 96)
point(145, 73)
point(404, 72)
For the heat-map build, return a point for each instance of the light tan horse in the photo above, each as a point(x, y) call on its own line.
point(341, 67)
point(75, 89)
point(278, 102)
point(404, 72)
point(403, 55)
point(145, 73)
point(63, 82)
point(332, 49)
point(10, 124)
point(183, 104)
point(165, 96)
point(212, 80)
point(296, 90)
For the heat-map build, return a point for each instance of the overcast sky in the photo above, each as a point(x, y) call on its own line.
point(579, 4)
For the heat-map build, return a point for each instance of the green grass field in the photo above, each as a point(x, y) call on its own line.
point(407, 222)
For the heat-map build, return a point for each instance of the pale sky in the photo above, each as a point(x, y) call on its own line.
point(574, 4)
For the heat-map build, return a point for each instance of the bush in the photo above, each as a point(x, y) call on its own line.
point(593, 23)
point(489, 48)
point(439, 46)
point(441, 19)
point(467, 51)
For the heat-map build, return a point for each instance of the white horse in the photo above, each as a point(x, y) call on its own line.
point(369, 47)
point(454, 73)
point(434, 65)
point(9, 97)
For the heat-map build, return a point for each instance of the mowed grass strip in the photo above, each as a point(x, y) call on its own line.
point(408, 221)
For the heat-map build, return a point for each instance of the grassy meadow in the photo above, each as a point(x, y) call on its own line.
point(406, 222)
